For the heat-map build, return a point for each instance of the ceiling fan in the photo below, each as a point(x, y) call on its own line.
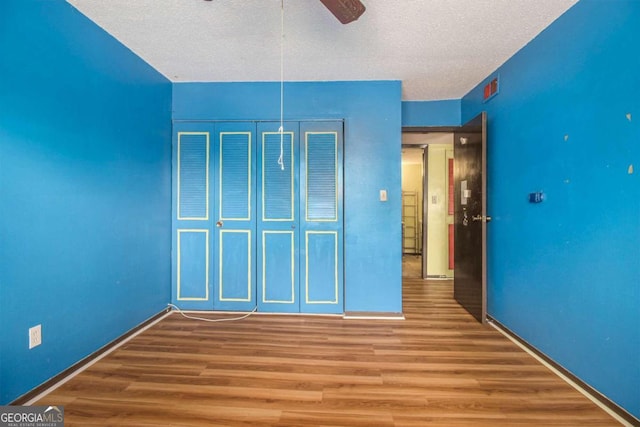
point(345, 10)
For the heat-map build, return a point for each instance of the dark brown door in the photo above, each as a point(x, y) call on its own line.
point(471, 217)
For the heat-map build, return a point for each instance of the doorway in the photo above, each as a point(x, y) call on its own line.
point(412, 210)
point(427, 204)
point(466, 207)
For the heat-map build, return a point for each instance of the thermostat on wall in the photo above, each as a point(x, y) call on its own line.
point(536, 197)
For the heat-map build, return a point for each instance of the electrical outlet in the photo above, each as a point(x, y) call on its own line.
point(35, 336)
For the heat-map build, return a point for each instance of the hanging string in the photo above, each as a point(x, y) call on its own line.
point(281, 129)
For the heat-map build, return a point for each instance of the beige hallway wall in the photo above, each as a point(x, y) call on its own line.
point(438, 218)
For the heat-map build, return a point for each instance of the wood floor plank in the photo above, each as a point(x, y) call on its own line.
point(438, 367)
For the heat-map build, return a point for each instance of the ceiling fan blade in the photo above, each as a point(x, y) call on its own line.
point(345, 10)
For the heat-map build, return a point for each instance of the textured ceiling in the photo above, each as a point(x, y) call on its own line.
point(440, 49)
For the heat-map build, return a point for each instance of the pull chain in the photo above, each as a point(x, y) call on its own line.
point(281, 129)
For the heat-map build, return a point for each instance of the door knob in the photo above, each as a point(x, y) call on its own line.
point(481, 218)
point(219, 224)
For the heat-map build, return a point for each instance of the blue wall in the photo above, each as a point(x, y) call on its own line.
point(372, 114)
point(431, 113)
point(85, 158)
point(565, 274)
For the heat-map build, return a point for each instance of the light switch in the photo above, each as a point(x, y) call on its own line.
point(383, 195)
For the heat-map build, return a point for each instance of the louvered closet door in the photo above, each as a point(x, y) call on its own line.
point(248, 232)
point(191, 216)
point(321, 217)
point(235, 219)
point(278, 200)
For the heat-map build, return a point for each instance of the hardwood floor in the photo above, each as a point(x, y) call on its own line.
point(411, 266)
point(436, 368)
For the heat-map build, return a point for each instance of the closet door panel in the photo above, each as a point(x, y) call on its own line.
point(321, 212)
point(278, 234)
point(191, 225)
point(235, 219)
